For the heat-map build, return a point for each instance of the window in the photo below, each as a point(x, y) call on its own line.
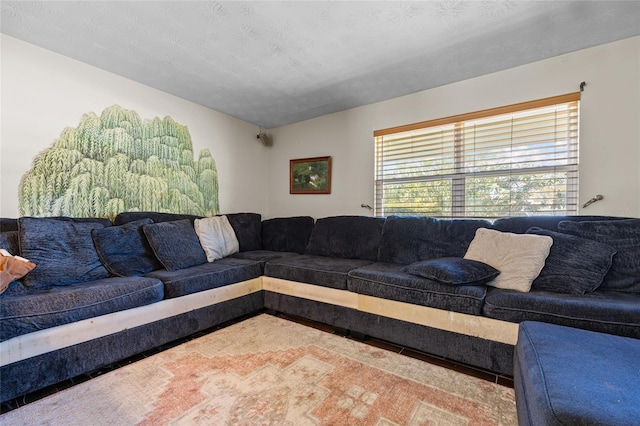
point(511, 161)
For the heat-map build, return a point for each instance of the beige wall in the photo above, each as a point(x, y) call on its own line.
point(609, 136)
point(43, 92)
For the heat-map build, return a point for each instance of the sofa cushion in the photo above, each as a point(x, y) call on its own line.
point(574, 265)
point(248, 229)
point(410, 239)
point(289, 234)
point(9, 242)
point(156, 217)
point(68, 258)
point(263, 256)
point(453, 271)
point(318, 270)
point(124, 250)
point(216, 236)
point(45, 308)
point(611, 312)
point(175, 244)
point(520, 224)
point(346, 237)
point(519, 258)
point(206, 276)
point(551, 385)
point(624, 236)
point(8, 224)
point(389, 281)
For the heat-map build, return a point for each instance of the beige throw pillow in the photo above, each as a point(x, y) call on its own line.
point(518, 257)
point(217, 237)
point(12, 268)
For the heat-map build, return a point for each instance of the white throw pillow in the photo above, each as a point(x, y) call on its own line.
point(217, 237)
point(518, 257)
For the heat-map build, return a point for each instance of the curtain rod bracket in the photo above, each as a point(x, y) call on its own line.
point(584, 83)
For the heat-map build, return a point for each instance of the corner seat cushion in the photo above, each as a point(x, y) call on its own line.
point(46, 308)
point(411, 239)
point(551, 385)
point(319, 270)
point(206, 276)
point(604, 311)
point(389, 281)
point(263, 256)
point(346, 237)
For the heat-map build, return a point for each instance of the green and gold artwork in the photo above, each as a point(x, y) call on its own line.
point(118, 162)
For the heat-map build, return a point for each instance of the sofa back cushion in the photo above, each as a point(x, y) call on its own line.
point(9, 242)
point(347, 237)
point(520, 224)
point(624, 236)
point(290, 234)
point(8, 224)
point(575, 265)
point(124, 250)
point(248, 229)
point(410, 239)
point(62, 250)
point(175, 244)
point(156, 217)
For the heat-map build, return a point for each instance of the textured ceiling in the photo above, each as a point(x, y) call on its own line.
point(275, 63)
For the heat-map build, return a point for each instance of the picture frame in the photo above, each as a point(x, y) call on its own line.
point(310, 175)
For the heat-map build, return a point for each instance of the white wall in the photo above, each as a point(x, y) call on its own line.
point(44, 92)
point(609, 134)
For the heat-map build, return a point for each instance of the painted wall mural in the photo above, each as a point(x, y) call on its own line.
point(118, 162)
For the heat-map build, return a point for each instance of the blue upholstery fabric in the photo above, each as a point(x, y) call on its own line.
point(124, 250)
point(9, 242)
point(388, 281)
point(248, 229)
point(318, 270)
point(611, 312)
point(486, 354)
point(520, 224)
point(8, 224)
point(62, 250)
point(175, 244)
point(45, 308)
point(453, 271)
point(126, 217)
point(410, 239)
point(206, 276)
point(624, 236)
point(287, 233)
point(263, 256)
point(575, 265)
point(566, 376)
point(346, 237)
point(34, 373)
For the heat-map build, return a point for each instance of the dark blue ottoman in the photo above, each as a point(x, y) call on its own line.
point(568, 376)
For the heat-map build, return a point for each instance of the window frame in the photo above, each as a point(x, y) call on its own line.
point(459, 176)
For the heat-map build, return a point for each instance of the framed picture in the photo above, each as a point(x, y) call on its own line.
point(310, 175)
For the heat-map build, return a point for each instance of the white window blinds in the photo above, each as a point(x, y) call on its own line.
point(515, 160)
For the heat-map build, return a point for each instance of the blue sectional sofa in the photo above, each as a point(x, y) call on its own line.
point(142, 281)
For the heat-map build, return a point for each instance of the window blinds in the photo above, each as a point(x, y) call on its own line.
point(516, 160)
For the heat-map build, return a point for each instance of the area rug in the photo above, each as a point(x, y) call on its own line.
point(270, 371)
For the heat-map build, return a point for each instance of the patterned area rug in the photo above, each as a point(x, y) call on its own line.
point(270, 371)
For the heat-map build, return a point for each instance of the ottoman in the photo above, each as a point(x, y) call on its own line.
point(569, 376)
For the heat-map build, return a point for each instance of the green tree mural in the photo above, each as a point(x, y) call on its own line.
point(118, 162)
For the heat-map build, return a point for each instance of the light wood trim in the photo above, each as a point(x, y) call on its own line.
point(569, 97)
